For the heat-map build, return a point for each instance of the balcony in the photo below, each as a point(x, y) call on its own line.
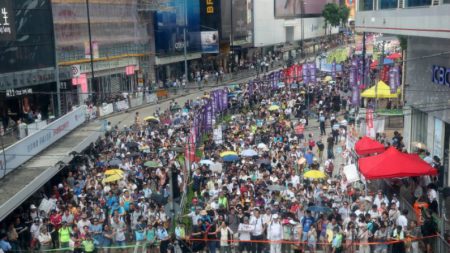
point(425, 18)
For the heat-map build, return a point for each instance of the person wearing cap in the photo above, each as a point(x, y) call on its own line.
point(34, 231)
point(275, 234)
point(64, 235)
point(258, 232)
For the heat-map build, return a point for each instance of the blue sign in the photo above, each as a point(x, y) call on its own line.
point(441, 75)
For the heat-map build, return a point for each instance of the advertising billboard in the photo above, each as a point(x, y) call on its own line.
point(32, 45)
point(237, 14)
point(169, 25)
point(210, 42)
point(294, 8)
point(288, 8)
point(7, 23)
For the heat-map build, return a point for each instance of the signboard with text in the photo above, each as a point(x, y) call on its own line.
point(7, 21)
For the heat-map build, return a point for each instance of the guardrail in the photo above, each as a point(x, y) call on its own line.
point(25, 149)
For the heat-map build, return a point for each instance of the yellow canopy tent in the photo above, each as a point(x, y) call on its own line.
point(380, 90)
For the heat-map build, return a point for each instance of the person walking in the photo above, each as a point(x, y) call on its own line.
point(275, 234)
point(258, 232)
point(225, 235)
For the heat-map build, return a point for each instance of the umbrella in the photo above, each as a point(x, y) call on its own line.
point(262, 146)
point(113, 178)
point(276, 188)
point(249, 153)
point(419, 145)
point(274, 107)
point(230, 158)
point(328, 78)
point(294, 86)
point(395, 56)
point(280, 85)
point(115, 162)
point(151, 118)
point(113, 172)
point(152, 164)
point(301, 161)
point(206, 162)
point(319, 209)
point(226, 153)
point(314, 174)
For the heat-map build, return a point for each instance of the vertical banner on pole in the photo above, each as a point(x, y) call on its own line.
point(312, 71)
point(355, 96)
point(333, 70)
point(392, 83)
point(306, 78)
point(370, 130)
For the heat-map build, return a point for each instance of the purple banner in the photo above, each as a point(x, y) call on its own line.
point(306, 73)
point(312, 71)
point(281, 76)
point(209, 115)
point(355, 96)
point(333, 70)
point(352, 76)
point(250, 88)
point(397, 76)
point(225, 99)
point(392, 83)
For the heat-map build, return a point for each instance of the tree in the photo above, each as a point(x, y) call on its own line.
point(344, 13)
point(331, 15)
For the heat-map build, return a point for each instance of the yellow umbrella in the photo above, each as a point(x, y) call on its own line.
point(380, 90)
point(113, 178)
point(314, 174)
point(328, 78)
point(114, 172)
point(274, 107)
point(226, 153)
point(151, 118)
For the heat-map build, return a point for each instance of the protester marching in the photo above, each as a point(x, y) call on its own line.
point(265, 172)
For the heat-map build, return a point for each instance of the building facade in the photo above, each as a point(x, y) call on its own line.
point(427, 75)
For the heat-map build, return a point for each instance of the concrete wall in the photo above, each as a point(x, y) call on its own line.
point(421, 92)
point(432, 21)
point(271, 31)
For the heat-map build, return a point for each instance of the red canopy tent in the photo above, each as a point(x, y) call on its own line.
point(394, 164)
point(395, 56)
point(367, 146)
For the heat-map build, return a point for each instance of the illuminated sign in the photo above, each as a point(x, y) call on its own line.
point(441, 75)
point(210, 6)
point(7, 14)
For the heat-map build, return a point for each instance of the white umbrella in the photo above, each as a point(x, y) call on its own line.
point(249, 153)
point(206, 162)
point(262, 146)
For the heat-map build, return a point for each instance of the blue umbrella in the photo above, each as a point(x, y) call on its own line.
point(230, 158)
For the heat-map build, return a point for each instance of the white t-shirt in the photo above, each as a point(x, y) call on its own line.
point(402, 221)
point(258, 223)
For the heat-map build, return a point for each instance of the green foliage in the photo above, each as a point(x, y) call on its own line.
point(403, 42)
point(344, 13)
point(331, 14)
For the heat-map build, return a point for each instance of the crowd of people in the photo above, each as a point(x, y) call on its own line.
point(114, 197)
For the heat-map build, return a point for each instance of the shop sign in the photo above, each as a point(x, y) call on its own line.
point(18, 92)
point(7, 31)
point(441, 75)
point(25, 149)
point(209, 6)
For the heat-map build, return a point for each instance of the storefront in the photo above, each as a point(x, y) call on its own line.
point(427, 115)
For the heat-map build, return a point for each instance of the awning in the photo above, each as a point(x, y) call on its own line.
point(367, 146)
point(394, 164)
point(380, 90)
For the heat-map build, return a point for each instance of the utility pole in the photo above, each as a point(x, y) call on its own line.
point(90, 45)
point(364, 62)
point(380, 68)
point(185, 42)
point(58, 82)
point(302, 7)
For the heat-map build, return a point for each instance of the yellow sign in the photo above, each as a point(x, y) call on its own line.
point(210, 6)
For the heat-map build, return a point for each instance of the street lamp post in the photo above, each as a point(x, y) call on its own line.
point(185, 42)
point(90, 44)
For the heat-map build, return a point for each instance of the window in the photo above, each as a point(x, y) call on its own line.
point(417, 3)
point(366, 5)
point(388, 4)
point(419, 121)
